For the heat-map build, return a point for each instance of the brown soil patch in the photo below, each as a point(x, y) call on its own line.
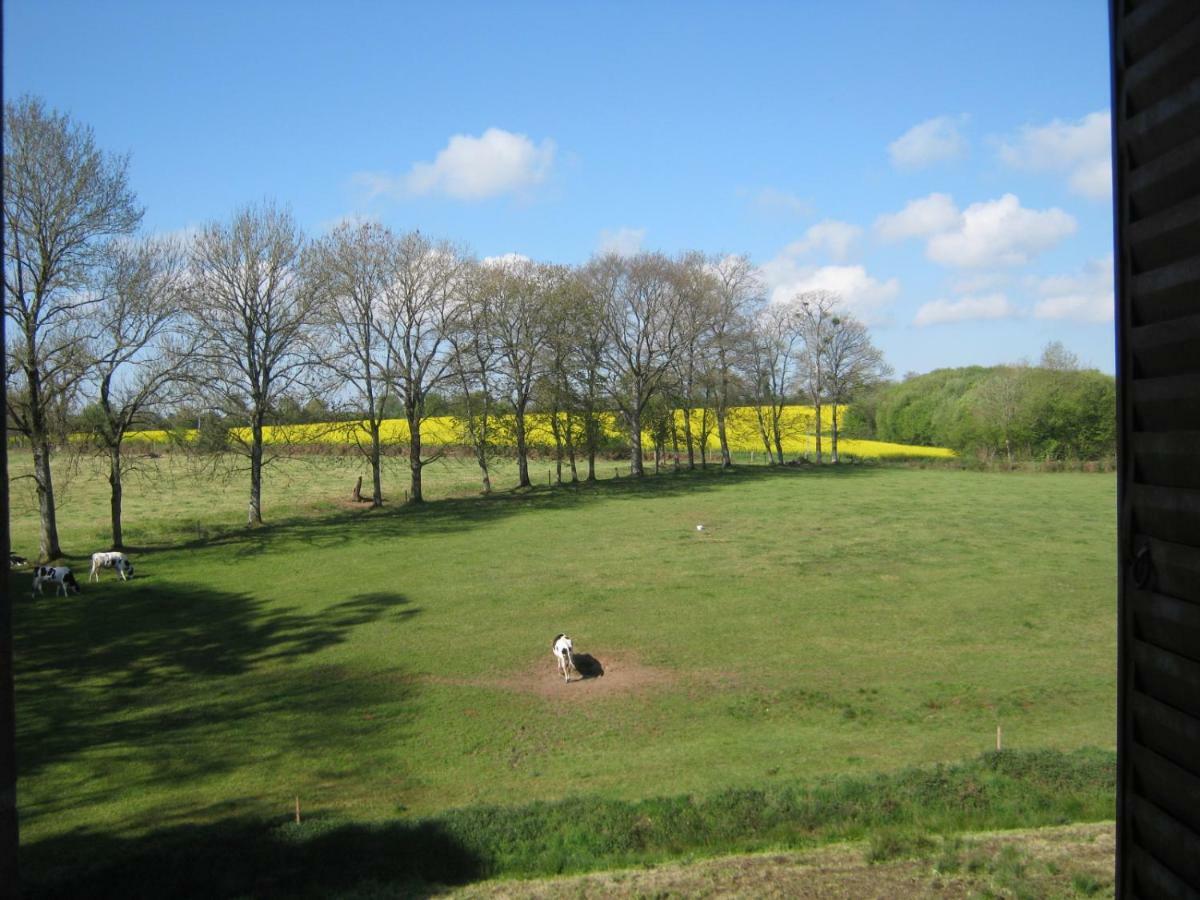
point(623, 675)
point(1052, 858)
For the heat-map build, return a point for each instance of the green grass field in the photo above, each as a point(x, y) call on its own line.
point(396, 663)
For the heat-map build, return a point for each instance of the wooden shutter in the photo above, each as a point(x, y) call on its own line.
point(1156, 165)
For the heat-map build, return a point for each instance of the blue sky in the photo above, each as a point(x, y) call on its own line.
point(942, 165)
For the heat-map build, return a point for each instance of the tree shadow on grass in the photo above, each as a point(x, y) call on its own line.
point(461, 513)
point(247, 858)
point(180, 681)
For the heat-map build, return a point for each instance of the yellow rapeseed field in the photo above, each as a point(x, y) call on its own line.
point(742, 428)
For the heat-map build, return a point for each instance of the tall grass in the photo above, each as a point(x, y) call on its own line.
point(330, 857)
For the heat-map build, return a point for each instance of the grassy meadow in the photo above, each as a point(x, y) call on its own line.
point(394, 664)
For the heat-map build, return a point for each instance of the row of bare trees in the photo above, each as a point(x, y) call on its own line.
point(248, 315)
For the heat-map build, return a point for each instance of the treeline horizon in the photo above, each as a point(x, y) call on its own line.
point(249, 321)
point(1052, 410)
point(249, 316)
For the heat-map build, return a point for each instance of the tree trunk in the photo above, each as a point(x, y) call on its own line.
point(688, 439)
point(254, 514)
point(478, 434)
point(722, 409)
point(778, 415)
point(48, 548)
point(764, 434)
point(483, 469)
point(635, 445)
point(726, 457)
point(570, 441)
point(556, 430)
point(522, 459)
point(376, 467)
point(414, 458)
point(833, 434)
point(114, 479)
point(817, 404)
point(591, 425)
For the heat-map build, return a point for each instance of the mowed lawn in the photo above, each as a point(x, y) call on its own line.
point(397, 662)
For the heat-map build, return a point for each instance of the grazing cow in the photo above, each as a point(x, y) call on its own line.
point(15, 561)
point(564, 652)
point(57, 575)
point(112, 559)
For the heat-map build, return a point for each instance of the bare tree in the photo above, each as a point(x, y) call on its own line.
point(137, 357)
point(255, 318)
point(815, 313)
point(852, 363)
point(591, 349)
point(644, 329)
point(352, 270)
point(520, 325)
point(474, 362)
point(563, 364)
point(62, 198)
point(770, 361)
point(708, 418)
point(739, 292)
point(699, 289)
point(428, 281)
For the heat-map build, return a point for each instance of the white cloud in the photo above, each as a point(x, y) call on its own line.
point(1085, 297)
point(920, 218)
point(989, 306)
point(929, 142)
point(505, 260)
point(862, 294)
point(1093, 179)
point(830, 236)
point(471, 168)
point(999, 233)
point(773, 199)
point(623, 242)
point(1080, 149)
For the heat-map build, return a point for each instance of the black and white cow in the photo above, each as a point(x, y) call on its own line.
point(111, 559)
point(57, 575)
point(564, 652)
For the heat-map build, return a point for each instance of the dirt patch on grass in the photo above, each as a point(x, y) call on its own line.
point(623, 674)
point(1066, 861)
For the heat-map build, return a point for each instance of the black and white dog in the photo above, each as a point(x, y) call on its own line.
point(111, 559)
point(15, 561)
point(564, 652)
point(57, 575)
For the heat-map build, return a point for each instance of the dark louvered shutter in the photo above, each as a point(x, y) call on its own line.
point(1156, 130)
